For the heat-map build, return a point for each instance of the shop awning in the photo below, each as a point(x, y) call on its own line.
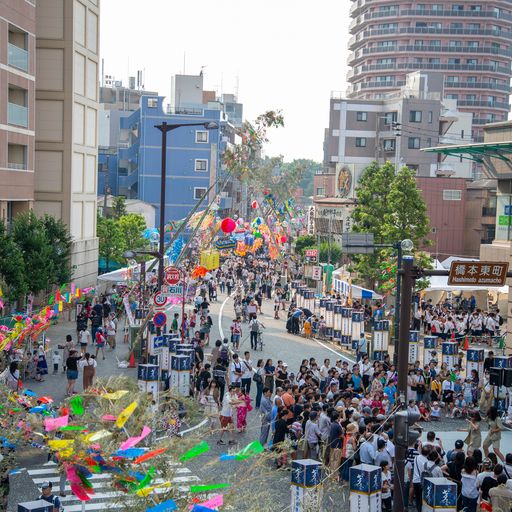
point(358, 292)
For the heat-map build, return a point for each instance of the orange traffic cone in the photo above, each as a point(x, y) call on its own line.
point(466, 343)
point(132, 360)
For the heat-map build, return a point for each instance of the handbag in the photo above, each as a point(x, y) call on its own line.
point(257, 378)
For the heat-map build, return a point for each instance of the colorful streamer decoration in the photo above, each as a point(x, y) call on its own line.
point(149, 455)
point(197, 450)
point(132, 441)
point(205, 488)
point(77, 405)
point(166, 506)
point(125, 415)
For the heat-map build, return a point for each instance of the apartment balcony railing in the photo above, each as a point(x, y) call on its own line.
point(489, 50)
point(488, 211)
point(433, 30)
point(485, 104)
point(15, 166)
point(17, 115)
point(477, 85)
point(466, 13)
point(17, 57)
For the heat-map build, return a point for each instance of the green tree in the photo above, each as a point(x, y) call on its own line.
point(329, 251)
point(302, 172)
point(304, 242)
point(30, 236)
point(119, 207)
point(111, 243)
point(131, 227)
point(13, 278)
point(390, 206)
point(57, 232)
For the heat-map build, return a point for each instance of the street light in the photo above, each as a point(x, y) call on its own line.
point(164, 128)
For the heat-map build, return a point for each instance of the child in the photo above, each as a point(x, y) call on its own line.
point(459, 408)
point(435, 413)
point(387, 487)
point(424, 412)
point(242, 410)
point(56, 359)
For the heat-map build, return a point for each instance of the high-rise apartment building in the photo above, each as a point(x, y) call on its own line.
point(17, 113)
point(48, 118)
point(467, 40)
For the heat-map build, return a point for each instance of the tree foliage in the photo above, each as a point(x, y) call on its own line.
point(302, 171)
point(304, 242)
point(118, 207)
point(132, 225)
point(61, 247)
point(12, 267)
point(390, 206)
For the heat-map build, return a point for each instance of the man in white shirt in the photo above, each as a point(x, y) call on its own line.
point(324, 373)
point(418, 467)
point(247, 372)
point(236, 371)
point(486, 471)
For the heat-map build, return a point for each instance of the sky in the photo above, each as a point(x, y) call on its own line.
point(280, 54)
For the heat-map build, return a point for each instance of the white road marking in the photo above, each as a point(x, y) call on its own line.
point(346, 358)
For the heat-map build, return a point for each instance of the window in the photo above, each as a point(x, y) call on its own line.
point(452, 195)
point(389, 144)
point(414, 143)
point(434, 60)
point(415, 116)
point(473, 44)
point(16, 156)
point(435, 42)
point(453, 79)
point(386, 44)
point(456, 25)
point(418, 60)
point(201, 165)
point(199, 192)
point(430, 116)
point(452, 96)
point(474, 26)
point(362, 116)
point(455, 44)
point(471, 62)
point(360, 142)
point(471, 79)
point(385, 78)
point(320, 191)
point(457, 7)
point(475, 8)
point(419, 42)
point(387, 61)
point(429, 142)
point(390, 117)
point(152, 102)
point(202, 136)
point(452, 61)
point(470, 97)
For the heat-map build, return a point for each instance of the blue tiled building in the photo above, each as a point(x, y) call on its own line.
point(193, 156)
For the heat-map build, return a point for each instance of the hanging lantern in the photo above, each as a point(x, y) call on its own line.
point(283, 239)
point(254, 205)
point(228, 225)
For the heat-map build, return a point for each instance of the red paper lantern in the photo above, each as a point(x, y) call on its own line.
point(228, 225)
point(283, 239)
point(254, 204)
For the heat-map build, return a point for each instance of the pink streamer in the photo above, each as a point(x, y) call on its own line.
point(213, 503)
point(132, 441)
point(108, 417)
point(55, 423)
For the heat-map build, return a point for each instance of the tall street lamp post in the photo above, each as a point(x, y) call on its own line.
point(164, 128)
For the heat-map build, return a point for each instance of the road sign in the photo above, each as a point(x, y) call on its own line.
point(357, 243)
point(311, 253)
point(159, 319)
point(172, 275)
point(478, 273)
point(174, 291)
point(317, 273)
point(159, 299)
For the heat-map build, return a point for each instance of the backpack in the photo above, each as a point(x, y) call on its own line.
point(255, 326)
point(500, 321)
point(427, 472)
point(224, 353)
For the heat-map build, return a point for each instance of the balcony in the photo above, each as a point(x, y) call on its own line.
point(17, 57)
point(484, 104)
point(478, 85)
point(17, 115)
point(488, 50)
point(457, 14)
point(361, 36)
point(488, 211)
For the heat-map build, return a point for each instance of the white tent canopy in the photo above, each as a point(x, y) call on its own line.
point(120, 274)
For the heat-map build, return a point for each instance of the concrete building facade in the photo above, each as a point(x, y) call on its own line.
point(17, 106)
point(394, 129)
point(468, 41)
point(66, 147)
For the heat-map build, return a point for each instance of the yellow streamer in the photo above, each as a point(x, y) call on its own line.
point(116, 395)
point(59, 444)
point(96, 436)
point(123, 417)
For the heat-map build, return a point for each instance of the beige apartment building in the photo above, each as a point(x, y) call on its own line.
point(53, 115)
point(467, 40)
point(17, 112)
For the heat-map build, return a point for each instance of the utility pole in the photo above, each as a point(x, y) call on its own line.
point(402, 366)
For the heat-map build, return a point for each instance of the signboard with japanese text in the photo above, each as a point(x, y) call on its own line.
point(317, 273)
point(478, 273)
point(312, 254)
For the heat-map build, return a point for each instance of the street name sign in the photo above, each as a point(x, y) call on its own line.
point(478, 273)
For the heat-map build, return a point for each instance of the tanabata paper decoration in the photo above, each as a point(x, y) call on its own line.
point(96, 436)
point(116, 395)
point(29, 392)
point(254, 204)
point(123, 417)
point(55, 423)
point(132, 441)
point(166, 506)
point(201, 508)
point(211, 504)
point(283, 239)
point(71, 428)
point(197, 450)
point(249, 451)
point(204, 488)
point(146, 480)
point(109, 417)
point(228, 225)
point(149, 455)
point(79, 492)
point(45, 399)
point(59, 444)
point(131, 453)
point(77, 405)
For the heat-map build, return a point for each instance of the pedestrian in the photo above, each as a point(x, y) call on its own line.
point(48, 496)
point(226, 415)
point(111, 328)
point(335, 446)
point(219, 375)
point(280, 432)
point(269, 375)
point(265, 414)
point(313, 435)
point(72, 371)
point(387, 487)
point(84, 337)
point(494, 435)
point(255, 326)
point(42, 365)
point(211, 402)
point(258, 377)
point(242, 410)
point(56, 360)
point(236, 333)
point(100, 342)
point(469, 490)
point(88, 366)
point(247, 372)
point(68, 346)
point(501, 495)
point(11, 376)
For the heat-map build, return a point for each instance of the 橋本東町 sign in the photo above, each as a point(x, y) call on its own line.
point(478, 273)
